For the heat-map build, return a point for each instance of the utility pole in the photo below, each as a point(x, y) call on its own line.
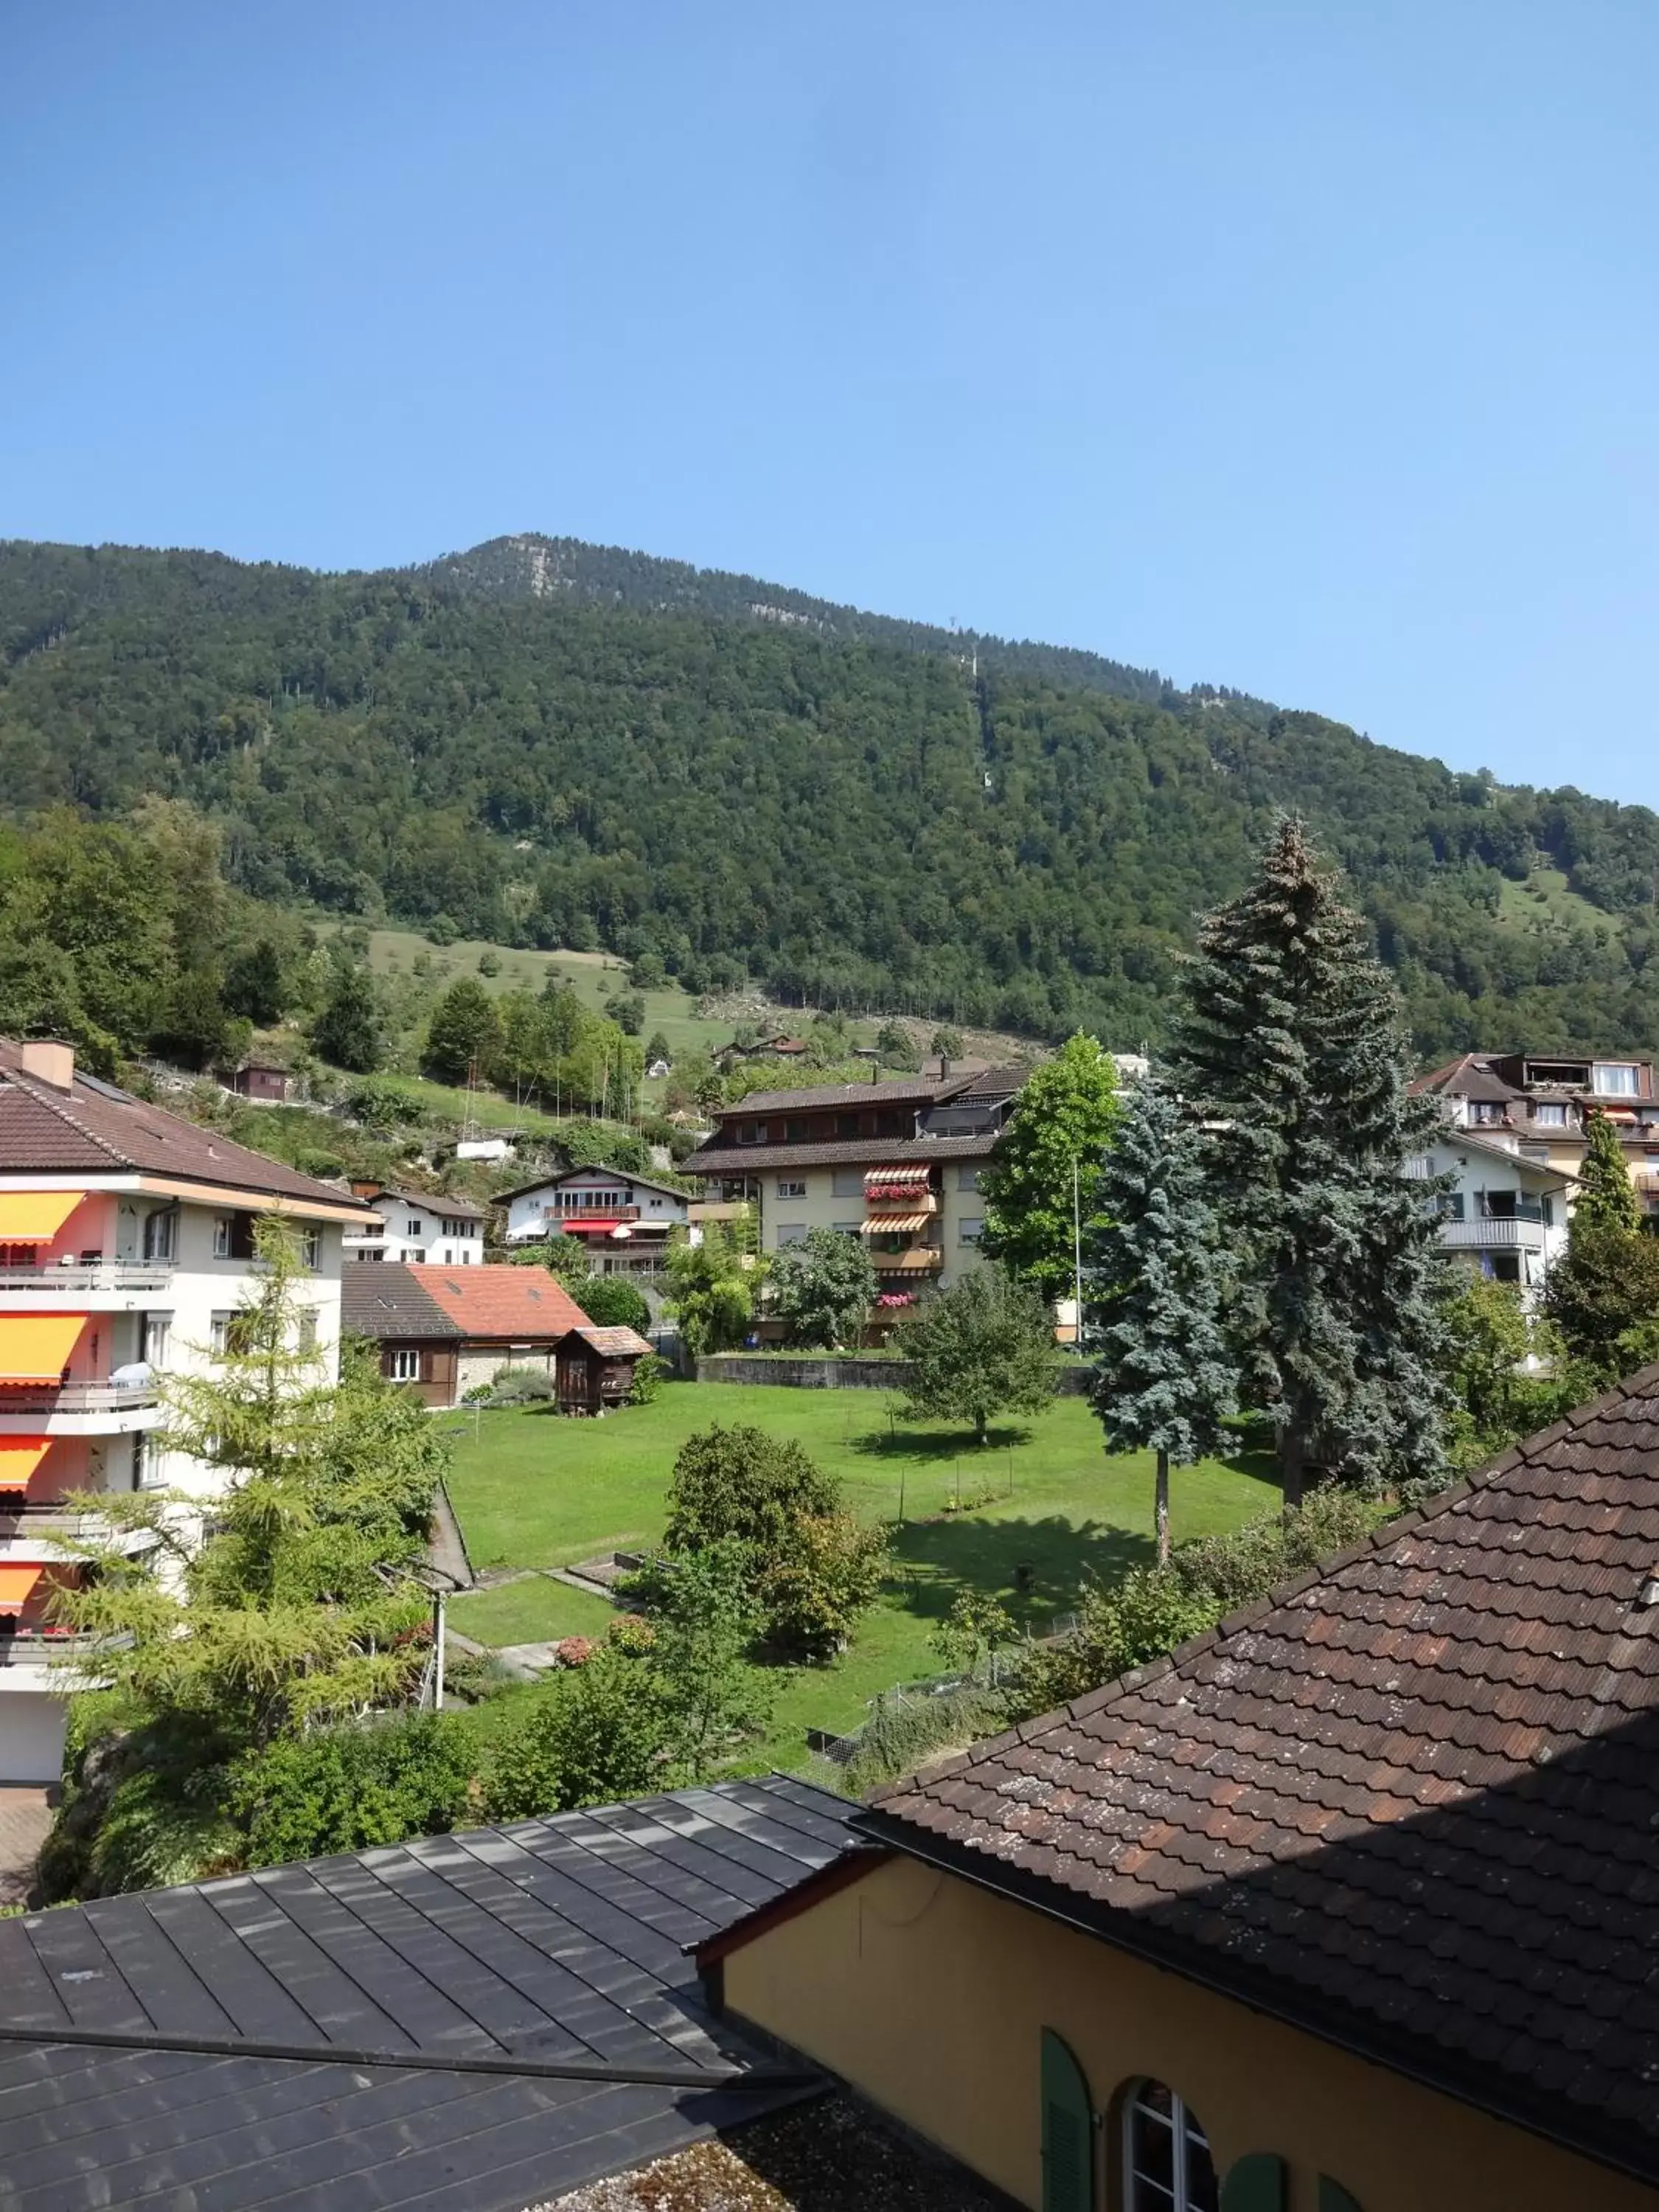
point(437, 1651)
point(1076, 1258)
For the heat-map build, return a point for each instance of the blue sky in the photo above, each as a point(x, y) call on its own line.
point(1307, 348)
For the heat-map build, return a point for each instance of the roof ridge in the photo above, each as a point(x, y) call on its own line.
point(1385, 1535)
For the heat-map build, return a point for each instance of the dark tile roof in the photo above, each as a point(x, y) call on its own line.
point(382, 1298)
point(561, 1175)
point(102, 1130)
point(716, 1158)
point(898, 1090)
point(435, 1202)
point(1469, 1077)
point(554, 1941)
point(1411, 1801)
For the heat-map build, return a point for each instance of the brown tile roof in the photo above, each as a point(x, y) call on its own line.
point(715, 1159)
point(500, 1302)
point(1411, 1801)
point(615, 1343)
point(1469, 1077)
point(916, 1090)
point(98, 1129)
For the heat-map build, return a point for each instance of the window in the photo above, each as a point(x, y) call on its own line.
point(969, 1229)
point(794, 1133)
point(967, 1177)
point(847, 1125)
point(405, 1366)
point(1501, 1267)
point(311, 1247)
point(308, 1330)
point(792, 1190)
point(1451, 1206)
point(849, 1228)
point(232, 1237)
point(415, 1252)
point(751, 1133)
point(153, 1340)
point(219, 1333)
point(416, 1226)
point(1486, 1113)
point(1614, 1080)
point(791, 1232)
point(846, 1182)
point(1166, 2161)
point(1550, 1117)
point(162, 1234)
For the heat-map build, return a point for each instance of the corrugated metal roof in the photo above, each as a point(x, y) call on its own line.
point(555, 1940)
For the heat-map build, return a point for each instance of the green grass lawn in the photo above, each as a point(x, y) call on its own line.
point(534, 1490)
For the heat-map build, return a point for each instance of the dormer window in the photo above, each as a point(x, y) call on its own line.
point(1549, 1117)
point(1615, 1079)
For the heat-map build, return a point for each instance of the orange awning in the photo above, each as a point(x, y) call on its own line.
point(19, 1457)
point(35, 1217)
point(17, 1586)
point(886, 1224)
point(36, 1347)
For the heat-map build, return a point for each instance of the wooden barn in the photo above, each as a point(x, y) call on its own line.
point(594, 1368)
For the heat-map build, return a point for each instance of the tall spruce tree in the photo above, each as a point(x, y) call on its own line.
point(1607, 1196)
point(1292, 1049)
point(1155, 1286)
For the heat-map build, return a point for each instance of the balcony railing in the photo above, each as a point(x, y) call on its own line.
point(74, 1281)
point(1494, 1233)
point(35, 1647)
point(920, 1260)
point(77, 1397)
point(566, 1217)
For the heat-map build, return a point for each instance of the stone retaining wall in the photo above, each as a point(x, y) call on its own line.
point(849, 1373)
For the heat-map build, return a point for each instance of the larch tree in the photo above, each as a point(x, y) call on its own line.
point(1293, 1050)
point(1155, 1285)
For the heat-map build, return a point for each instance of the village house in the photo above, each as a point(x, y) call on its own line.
point(444, 1330)
point(418, 1225)
point(1348, 1905)
point(622, 1220)
point(1504, 1216)
point(126, 1247)
point(1540, 1103)
point(895, 1162)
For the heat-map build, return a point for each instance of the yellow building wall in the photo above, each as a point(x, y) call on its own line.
point(930, 1996)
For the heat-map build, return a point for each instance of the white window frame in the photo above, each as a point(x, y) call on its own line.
point(787, 1189)
point(219, 1326)
point(971, 1229)
point(1604, 1085)
point(311, 1246)
point(1550, 1116)
point(791, 1232)
point(159, 1240)
point(1141, 2193)
point(401, 1370)
point(221, 1234)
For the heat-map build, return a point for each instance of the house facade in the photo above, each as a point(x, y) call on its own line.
point(624, 1220)
point(896, 1163)
point(1346, 1906)
point(1540, 1104)
point(418, 1227)
point(444, 1330)
point(126, 1248)
point(1504, 1216)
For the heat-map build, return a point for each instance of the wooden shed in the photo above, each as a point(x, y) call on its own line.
point(594, 1368)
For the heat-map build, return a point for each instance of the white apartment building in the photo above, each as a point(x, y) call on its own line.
point(1505, 1216)
point(415, 1226)
point(126, 1247)
point(624, 1220)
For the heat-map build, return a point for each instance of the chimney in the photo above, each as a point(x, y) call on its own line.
point(48, 1061)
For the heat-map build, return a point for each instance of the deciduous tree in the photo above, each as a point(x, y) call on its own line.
point(1040, 1186)
point(825, 1288)
point(985, 1347)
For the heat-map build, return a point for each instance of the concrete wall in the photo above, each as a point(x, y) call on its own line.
point(32, 1726)
point(847, 1372)
point(930, 1994)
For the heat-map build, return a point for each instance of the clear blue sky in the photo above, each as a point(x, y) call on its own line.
point(1310, 348)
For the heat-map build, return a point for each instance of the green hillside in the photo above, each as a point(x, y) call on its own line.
point(552, 745)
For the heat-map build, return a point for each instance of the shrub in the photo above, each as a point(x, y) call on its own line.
point(575, 1650)
point(614, 1303)
point(522, 1386)
point(602, 1732)
point(650, 1376)
point(347, 1789)
point(902, 1732)
point(812, 1592)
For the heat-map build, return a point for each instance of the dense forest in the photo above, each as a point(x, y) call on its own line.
point(552, 744)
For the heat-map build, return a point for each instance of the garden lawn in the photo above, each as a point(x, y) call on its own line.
point(534, 1490)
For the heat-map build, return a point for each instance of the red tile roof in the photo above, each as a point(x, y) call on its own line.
point(511, 1303)
point(1410, 1800)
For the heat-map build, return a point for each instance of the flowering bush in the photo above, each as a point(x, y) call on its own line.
point(575, 1650)
point(891, 1298)
point(631, 1634)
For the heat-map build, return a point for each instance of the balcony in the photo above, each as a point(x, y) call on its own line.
point(78, 1409)
point(31, 1658)
point(89, 1285)
point(1495, 1233)
point(39, 1528)
point(920, 1260)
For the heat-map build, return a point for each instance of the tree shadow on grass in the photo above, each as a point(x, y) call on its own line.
point(1035, 1567)
point(940, 1444)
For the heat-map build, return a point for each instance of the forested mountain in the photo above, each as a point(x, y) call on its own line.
point(559, 744)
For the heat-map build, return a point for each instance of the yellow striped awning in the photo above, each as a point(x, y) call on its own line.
point(17, 1586)
point(19, 1457)
point(893, 1224)
point(35, 1217)
point(37, 1347)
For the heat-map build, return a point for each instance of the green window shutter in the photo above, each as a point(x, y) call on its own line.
point(1333, 2197)
point(1068, 2161)
point(1256, 2184)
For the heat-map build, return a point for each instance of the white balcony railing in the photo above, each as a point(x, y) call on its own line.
point(1493, 1234)
point(77, 1397)
point(75, 1282)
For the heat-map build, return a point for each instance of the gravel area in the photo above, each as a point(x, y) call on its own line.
point(829, 2156)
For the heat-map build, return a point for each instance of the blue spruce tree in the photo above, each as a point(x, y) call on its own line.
point(1293, 1052)
point(1155, 1288)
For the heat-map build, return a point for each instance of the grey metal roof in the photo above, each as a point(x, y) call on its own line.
point(918, 1089)
point(554, 1943)
point(717, 1158)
